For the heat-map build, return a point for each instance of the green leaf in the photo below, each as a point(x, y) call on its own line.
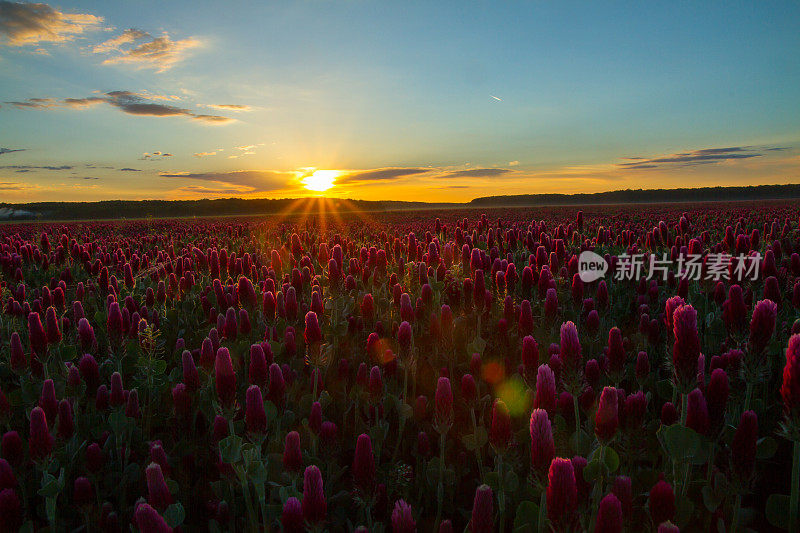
point(525, 518)
point(493, 480)
point(230, 449)
point(664, 388)
point(405, 411)
point(257, 473)
point(52, 487)
point(766, 448)
point(610, 459)
point(477, 346)
point(174, 515)
point(680, 442)
point(159, 366)
point(469, 442)
point(271, 411)
point(118, 421)
point(777, 510)
point(592, 470)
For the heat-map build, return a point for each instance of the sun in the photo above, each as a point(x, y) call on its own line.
point(320, 180)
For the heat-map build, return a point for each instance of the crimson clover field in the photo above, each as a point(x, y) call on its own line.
point(403, 371)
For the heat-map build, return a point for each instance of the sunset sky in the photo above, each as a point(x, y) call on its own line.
point(438, 101)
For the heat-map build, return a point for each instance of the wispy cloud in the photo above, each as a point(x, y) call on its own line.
point(139, 48)
point(24, 24)
point(704, 156)
point(241, 181)
point(31, 167)
point(204, 154)
point(381, 174)
point(15, 186)
point(476, 173)
point(114, 44)
point(228, 107)
point(129, 102)
point(4, 151)
point(34, 103)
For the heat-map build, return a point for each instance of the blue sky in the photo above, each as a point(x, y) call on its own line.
point(403, 100)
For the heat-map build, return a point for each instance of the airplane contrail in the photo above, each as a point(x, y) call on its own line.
point(496, 98)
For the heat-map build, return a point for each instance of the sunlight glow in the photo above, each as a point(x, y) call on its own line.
point(320, 180)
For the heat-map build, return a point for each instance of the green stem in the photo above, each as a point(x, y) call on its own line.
point(402, 417)
point(736, 506)
point(248, 503)
point(794, 501)
point(577, 418)
point(684, 408)
point(501, 498)
point(478, 450)
point(440, 488)
point(748, 395)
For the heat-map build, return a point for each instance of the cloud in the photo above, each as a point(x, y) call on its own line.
point(83, 102)
point(154, 156)
point(126, 169)
point(214, 119)
point(381, 174)
point(4, 151)
point(25, 168)
point(34, 103)
point(24, 24)
point(114, 44)
point(513, 163)
point(241, 181)
point(15, 186)
point(139, 48)
point(84, 178)
point(696, 157)
point(476, 173)
point(199, 189)
point(204, 154)
point(129, 102)
point(135, 104)
point(228, 107)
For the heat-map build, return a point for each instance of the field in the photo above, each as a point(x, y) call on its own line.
point(400, 372)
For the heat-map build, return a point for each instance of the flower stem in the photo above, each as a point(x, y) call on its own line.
point(440, 488)
point(478, 454)
point(748, 395)
point(684, 408)
point(794, 499)
point(736, 506)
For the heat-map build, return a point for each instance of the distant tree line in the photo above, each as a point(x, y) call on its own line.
point(120, 209)
point(627, 196)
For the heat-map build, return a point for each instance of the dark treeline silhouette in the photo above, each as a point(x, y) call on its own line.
point(120, 209)
point(115, 209)
point(628, 196)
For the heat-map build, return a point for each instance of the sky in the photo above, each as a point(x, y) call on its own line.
point(434, 101)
